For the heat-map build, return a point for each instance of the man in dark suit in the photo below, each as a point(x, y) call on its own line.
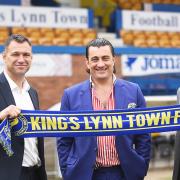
point(124, 157)
point(27, 162)
point(176, 170)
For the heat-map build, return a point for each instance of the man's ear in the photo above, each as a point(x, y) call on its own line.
point(87, 62)
point(87, 66)
point(3, 54)
point(114, 58)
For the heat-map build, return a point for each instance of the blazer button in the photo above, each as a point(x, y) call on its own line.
point(95, 149)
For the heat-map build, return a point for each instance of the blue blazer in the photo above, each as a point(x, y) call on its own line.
point(77, 155)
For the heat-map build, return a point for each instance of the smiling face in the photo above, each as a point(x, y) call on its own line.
point(17, 59)
point(100, 62)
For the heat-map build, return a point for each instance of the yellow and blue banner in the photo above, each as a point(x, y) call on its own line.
point(93, 123)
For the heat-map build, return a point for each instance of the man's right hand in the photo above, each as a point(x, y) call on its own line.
point(11, 111)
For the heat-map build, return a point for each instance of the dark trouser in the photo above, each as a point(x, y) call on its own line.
point(30, 173)
point(108, 173)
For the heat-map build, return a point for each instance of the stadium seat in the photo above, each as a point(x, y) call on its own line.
point(19, 30)
point(74, 41)
point(139, 43)
point(30, 30)
point(4, 33)
point(45, 41)
point(60, 41)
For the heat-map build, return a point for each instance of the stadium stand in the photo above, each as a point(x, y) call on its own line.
point(150, 38)
point(51, 36)
point(138, 4)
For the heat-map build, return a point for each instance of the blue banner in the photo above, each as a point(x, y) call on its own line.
point(93, 123)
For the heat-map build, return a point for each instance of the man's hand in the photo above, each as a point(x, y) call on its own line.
point(9, 112)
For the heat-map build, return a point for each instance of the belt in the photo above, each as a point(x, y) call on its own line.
point(31, 168)
point(106, 168)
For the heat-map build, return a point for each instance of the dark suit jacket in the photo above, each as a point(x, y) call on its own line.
point(77, 155)
point(10, 167)
point(176, 170)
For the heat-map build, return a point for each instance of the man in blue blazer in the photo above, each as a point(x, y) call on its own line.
point(124, 157)
point(27, 162)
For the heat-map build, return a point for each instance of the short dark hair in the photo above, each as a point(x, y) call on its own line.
point(98, 42)
point(18, 38)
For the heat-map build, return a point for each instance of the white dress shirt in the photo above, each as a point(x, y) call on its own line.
point(23, 101)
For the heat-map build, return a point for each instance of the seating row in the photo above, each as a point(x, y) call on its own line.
point(51, 36)
point(150, 38)
point(137, 4)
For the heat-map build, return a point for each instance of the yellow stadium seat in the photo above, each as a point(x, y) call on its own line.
point(174, 35)
point(59, 31)
point(45, 41)
point(34, 40)
point(122, 32)
point(4, 33)
point(35, 34)
point(75, 42)
point(76, 33)
point(4, 29)
point(175, 43)
point(65, 35)
point(60, 41)
point(49, 34)
point(45, 30)
point(162, 34)
point(30, 30)
point(125, 5)
point(85, 41)
point(152, 42)
point(127, 37)
point(90, 36)
point(164, 42)
point(19, 30)
point(151, 34)
point(136, 6)
point(140, 42)
point(139, 34)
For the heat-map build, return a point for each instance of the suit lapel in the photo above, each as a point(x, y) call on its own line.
point(6, 90)
point(34, 98)
point(86, 101)
point(119, 95)
point(86, 104)
point(8, 96)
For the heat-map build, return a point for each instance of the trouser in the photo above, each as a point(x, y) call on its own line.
point(108, 173)
point(30, 173)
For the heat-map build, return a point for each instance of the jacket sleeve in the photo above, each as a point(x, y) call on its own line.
point(64, 143)
point(135, 149)
point(142, 142)
point(176, 169)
